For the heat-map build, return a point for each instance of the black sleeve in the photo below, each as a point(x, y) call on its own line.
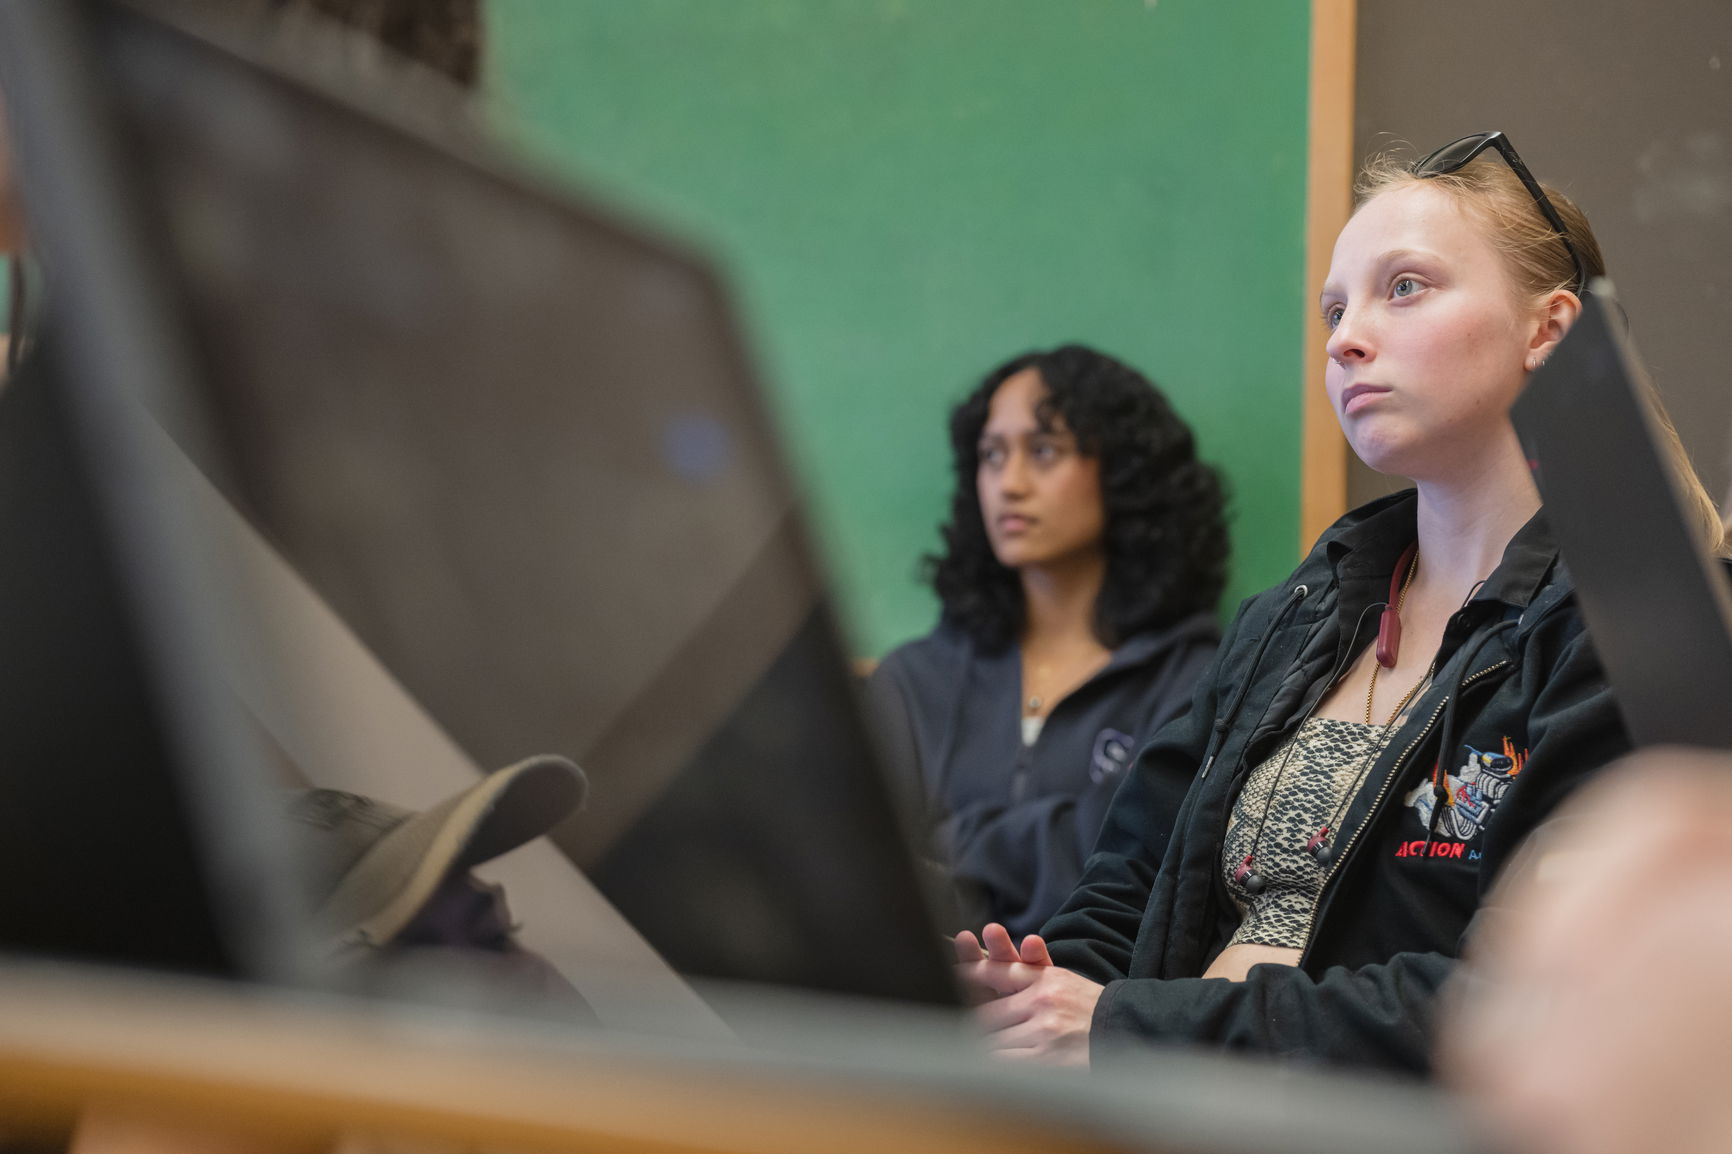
point(1378, 1015)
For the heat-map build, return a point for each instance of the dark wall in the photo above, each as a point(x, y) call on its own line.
point(1626, 107)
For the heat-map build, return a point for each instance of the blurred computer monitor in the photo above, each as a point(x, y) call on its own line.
point(515, 443)
point(1657, 605)
point(134, 824)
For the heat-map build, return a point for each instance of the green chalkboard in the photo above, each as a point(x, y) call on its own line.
point(905, 192)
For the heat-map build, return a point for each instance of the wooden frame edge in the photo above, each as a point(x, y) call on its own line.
point(1328, 202)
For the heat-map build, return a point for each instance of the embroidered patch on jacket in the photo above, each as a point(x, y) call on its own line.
point(1470, 795)
point(1112, 753)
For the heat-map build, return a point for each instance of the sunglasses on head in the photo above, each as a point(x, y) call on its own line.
point(1458, 154)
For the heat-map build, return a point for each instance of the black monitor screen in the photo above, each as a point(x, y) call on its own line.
point(516, 445)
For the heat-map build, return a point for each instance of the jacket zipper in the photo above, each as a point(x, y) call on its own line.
point(1377, 803)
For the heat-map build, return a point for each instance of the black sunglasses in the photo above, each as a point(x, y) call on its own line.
point(1458, 154)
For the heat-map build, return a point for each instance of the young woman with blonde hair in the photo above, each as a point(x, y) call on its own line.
point(1381, 730)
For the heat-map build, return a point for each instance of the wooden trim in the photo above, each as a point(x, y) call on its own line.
point(281, 1074)
point(1328, 202)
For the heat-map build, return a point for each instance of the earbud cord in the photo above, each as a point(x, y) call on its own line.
point(1244, 872)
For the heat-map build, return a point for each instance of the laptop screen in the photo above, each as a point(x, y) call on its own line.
point(135, 828)
point(515, 444)
point(1657, 608)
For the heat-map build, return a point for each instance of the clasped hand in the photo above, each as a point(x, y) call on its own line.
point(1029, 1008)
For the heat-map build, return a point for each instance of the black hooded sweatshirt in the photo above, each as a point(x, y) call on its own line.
point(1517, 716)
point(1011, 824)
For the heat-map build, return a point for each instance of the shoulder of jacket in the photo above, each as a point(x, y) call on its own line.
point(1167, 642)
point(1309, 580)
point(1553, 606)
point(939, 654)
point(1349, 521)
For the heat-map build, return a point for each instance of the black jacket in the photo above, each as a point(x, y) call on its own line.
point(1013, 823)
point(1517, 715)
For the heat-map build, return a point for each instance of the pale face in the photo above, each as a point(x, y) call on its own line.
point(1039, 496)
point(1429, 345)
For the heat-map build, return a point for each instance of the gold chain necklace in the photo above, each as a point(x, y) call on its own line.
point(1400, 603)
point(1044, 684)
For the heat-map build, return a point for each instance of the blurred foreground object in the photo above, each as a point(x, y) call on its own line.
point(598, 553)
point(391, 886)
point(822, 1074)
point(134, 826)
point(1596, 1015)
point(378, 869)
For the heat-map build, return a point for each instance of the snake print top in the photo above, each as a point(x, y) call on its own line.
point(1310, 776)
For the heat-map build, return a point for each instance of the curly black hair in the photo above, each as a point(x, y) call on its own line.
point(1166, 531)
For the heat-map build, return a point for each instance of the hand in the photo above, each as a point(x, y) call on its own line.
point(1594, 1013)
point(988, 971)
point(1046, 1020)
point(1030, 1008)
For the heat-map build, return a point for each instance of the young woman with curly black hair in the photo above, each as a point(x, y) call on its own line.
point(1084, 555)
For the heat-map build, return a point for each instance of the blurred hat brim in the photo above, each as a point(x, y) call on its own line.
point(383, 891)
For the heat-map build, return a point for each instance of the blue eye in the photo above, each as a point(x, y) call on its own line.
point(1412, 286)
point(1332, 316)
